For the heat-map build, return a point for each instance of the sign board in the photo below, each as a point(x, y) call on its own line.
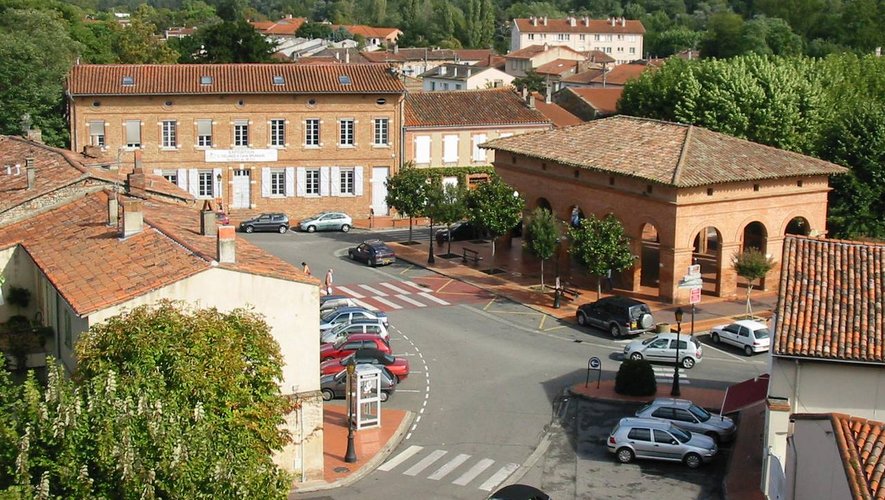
point(690, 282)
point(694, 270)
point(240, 155)
point(595, 363)
point(695, 296)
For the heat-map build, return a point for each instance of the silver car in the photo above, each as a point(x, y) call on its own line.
point(659, 440)
point(690, 417)
point(331, 318)
point(356, 325)
point(663, 347)
point(327, 221)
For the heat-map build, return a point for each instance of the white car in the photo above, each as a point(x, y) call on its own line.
point(751, 336)
point(664, 347)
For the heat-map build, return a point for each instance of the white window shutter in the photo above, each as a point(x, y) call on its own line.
point(216, 182)
point(422, 149)
point(265, 182)
point(336, 181)
point(181, 177)
point(358, 181)
point(450, 148)
point(159, 172)
point(193, 181)
point(300, 181)
point(324, 181)
point(290, 181)
point(479, 154)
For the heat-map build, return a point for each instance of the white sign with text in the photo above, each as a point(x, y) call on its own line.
point(240, 155)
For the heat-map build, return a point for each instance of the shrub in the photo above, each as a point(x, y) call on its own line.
point(636, 378)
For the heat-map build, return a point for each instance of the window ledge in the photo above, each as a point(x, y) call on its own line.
point(347, 146)
point(311, 146)
point(380, 146)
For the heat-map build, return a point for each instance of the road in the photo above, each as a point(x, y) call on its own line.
point(486, 371)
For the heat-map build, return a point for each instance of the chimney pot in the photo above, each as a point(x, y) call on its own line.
point(31, 171)
point(531, 102)
point(548, 98)
point(545, 20)
point(227, 244)
point(534, 21)
point(396, 48)
point(586, 21)
point(133, 217)
point(623, 21)
point(208, 223)
point(113, 210)
point(571, 21)
point(612, 20)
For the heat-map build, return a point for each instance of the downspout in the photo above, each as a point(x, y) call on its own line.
point(73, 119)
point(796, 374)
point(301, 444)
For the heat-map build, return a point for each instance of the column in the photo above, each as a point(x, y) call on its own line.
point(728, 278)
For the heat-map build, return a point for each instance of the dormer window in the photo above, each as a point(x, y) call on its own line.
point(205, 80)
point(128, 81)
point(279, 80)
point(344, 79)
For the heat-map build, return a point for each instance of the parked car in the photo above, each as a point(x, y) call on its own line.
point(335, 301)
point(327, 221)
point(751, 336)
point(691, 417)
point(346, 314)
point(662, 347)
point(617, 315)
point(373, 253)
point(659, 440)
point(357, 325)
point(344, 347)
point(465, 230)
point(266, 222)
point(398, 366)
point(335, 386)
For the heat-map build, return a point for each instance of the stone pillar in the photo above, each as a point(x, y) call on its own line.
point(634, 275)
point(674, 266)
point(728, 278)
point(774, 249)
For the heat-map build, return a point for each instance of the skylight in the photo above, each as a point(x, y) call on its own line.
point(279, 80)
point(205, 80)
point(344, 79)
point(128, 81)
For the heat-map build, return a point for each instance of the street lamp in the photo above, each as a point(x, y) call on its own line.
point(350, 454)
point(430, 258)
point(675, 391)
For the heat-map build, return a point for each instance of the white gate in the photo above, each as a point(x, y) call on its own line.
point(241, 189)
point(379, 190)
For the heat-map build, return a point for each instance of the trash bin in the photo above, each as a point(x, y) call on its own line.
point(662, 328)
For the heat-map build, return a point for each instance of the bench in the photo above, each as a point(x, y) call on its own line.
point(467, 253)
point(569, 293)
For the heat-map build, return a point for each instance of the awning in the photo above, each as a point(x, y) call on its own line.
point(743, 394)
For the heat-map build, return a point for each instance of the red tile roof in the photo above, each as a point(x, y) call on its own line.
point(622, 73)
point(564, 26)
point(557, 67)
point(185, 79)
point(830, 301)
point(603, 100)
point(861, 443)
point(599, 56)
point(286, 26)
point(662, 152)
point(557, 114)
point(474, 54)
point(470, 107)
point(533, 50)
point(584, 77)
point(368, 31)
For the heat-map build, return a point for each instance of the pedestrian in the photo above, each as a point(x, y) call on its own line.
point(305, 269)
point(328, 282)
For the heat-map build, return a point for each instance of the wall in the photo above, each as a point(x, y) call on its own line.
point(17, 269)
point(619, 49)
point(814, 465)
point(465, 142)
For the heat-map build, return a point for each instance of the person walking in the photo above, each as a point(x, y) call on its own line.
point(305, 269)
point(328, 282)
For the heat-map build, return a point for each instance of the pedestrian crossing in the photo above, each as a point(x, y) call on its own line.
point(406, 294)
point(664, 374)
point(434, 462)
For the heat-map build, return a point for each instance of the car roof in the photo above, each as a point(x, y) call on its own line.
point(652, 423)
point(617, 299)
point(682, 403)
point(752, 325)
point(366, 321)
point(326, 298)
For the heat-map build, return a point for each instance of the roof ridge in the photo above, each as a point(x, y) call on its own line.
point(677, 172)
point(852, 463)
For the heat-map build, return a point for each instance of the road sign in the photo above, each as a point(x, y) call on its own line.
point(694, 297)
point(694, 270)
point(689, 281)
point(595, 363)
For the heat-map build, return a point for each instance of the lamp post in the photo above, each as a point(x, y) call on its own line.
point(430, 258)
point(675, 391)
point(350, 454)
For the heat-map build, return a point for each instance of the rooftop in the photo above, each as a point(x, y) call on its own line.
point(621, 74)
point(533, 50)
point(470, 107)
point(557, 67)
point(555, 113)
point(603, 100)
point(578, 25)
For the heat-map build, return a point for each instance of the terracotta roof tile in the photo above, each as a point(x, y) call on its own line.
point(474, 54)
point(55, 168)
point(603, 100)
point(557, 114)
point(557, 67)
point(286, 26)
point(831, 301)
point(622, 73)
point(585, 77)
point(652, 150)
point(564, 26)
point(177, 79)
point(470, 107)
point(367, 31)
point(533, 50)
point(861, 443)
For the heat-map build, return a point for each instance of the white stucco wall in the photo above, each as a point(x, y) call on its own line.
point(17, 269)
point(814, 466)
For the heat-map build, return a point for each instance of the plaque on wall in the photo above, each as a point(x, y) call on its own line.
point(240, 155)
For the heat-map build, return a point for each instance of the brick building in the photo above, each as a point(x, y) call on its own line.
point(291, 138)
point(684, 194)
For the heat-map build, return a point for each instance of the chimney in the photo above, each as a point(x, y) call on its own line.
point(136, 180)
point(623, 21)
point(442, 70)
point(571, 21)
point(31, 171)
point(534, 21)
point(36, 135)
point(612, 20)
point(208, 226)
point(227, 245)
point(548, 98)
point(525, 93)
point(531, 101)
point(396, 48)
point(113, 210)
point(545, 20)
point(346, 56)
point(133, 217)
point(587, 21)
point(468, 72)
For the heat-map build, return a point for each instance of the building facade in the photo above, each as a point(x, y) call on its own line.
point(464, 77)
point(288, 138)
point(617, 37)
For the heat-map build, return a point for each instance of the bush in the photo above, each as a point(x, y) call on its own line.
point(636, 378)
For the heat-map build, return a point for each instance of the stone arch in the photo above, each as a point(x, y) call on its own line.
point(649, 256)
point(543, 203)
point(797, 225)
point(706, 251)
point(754, 235)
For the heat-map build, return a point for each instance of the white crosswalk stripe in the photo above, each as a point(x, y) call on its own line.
point(363, 304)
point(665, 374)
point(502, 474)
point(415, 285)
point(433, 298)
point(392, 305)
point(394, 288)
point(449, 467)
point(405, 298)
point(350, 292)
point(374, 291)
point(476, 473)
point(425, 463)
point(402, 457)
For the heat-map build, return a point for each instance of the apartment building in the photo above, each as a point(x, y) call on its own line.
point(617, 37)
point(288, 138)
point(464, 77)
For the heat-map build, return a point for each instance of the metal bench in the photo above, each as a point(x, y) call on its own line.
point(467, 253)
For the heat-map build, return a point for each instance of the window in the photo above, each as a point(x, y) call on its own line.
point(96, 134)
point(133, 133)
point(632, 50)
point(204, 133)
point(312, 132)
point(663, 412)
point(445, 86)
point(128, 81)
point(278, 182)
point(582, 37)
point(607, 50)
point(432, 85)
point(204, 186)
point(562, 37)
point(278, 80)
point(683, 415)
point(278, 133)
point(422, 149)
point(639, 434)
point(343, 79)
point(171, 176)
point(345, 136)
point(620, 49)
point(479, 154)
point(381, 127)
point(531, 36)
point(241, 133)
point(663, 437)
point(205, 80)
point(168, 139)
point(347, 185)
point(597, 37)
point(312, 181)
point(450, 148)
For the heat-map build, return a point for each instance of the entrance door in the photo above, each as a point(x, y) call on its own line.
point(379, 190)
point(241, 189)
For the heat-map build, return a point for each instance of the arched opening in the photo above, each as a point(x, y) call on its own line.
point(543, 203)
point(755, 236)
point(798, 225)
point(707, 252)
point(650, 257)
point(575, 216)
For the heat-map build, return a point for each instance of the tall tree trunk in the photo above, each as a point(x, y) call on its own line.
point(493, 248)
point(749, 306)
point(410, 229)
point(542, 275)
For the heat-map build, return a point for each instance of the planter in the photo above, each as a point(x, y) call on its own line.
point(662, 328)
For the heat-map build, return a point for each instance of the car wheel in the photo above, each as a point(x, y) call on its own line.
point(715, 337)
point(625, 455)
point(350, 254)
point(636, 356)
point(748, 350)
point(693, 460)
point(582, 319)
point(615, 330)
point(646, 321)
point(687, 363)
point(249, 229)
point(283, 229)
point(384, 396)
point(311, 229)
point(328, 395)
point(345, 228)
point(372, 262)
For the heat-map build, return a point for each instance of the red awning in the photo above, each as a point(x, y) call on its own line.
point(741, 395)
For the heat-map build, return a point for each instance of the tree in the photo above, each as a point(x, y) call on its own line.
point(234, 42)
point(138, 43)
point(542, 236)
point(532, 82)
point(495, 206)
point(406, 193)
point(601, 247)
point(315, 30)
point(446, 206)
point(723, 38)
point(751, 264)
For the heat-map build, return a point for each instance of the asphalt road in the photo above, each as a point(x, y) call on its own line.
point(485, 372)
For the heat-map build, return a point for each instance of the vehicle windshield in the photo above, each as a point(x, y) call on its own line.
point(327, 316)
point(702, 414)
point(340, 342)
point(681, 435)
point(642, 410)
point(761, 333)
point(649, 341)
point(387, 359)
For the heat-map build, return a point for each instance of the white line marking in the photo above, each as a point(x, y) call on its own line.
point(406, 298)
point(449, 467)
point(364, 305)
point(499, 476)
point(717, 349)
point(425, 463)
point(408, 390)
point(421, 411)
point(350, 292)
point(388, 303)
point(374, 291)
point(415, 285)
point(402, 457)
point(394, 288)
point(409, 435)
point(474, 471)
point(417, 420)
point(414, 426)
point(435, 299)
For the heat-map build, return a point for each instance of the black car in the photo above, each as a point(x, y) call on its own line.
point(373, 253)
point(335, 386)
point(618, 315)
point(461, 231)
point(278, 223)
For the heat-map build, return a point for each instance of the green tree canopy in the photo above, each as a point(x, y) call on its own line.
point(752, 265)
point(138, 43)
point(541, 236)
point(315, 30)
point(446, 205)
point(600, 246)
point(233, 42)
point(496, 206)
point(407, 193)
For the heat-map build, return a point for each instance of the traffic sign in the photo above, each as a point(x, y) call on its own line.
point(595, 363)
point(694, 270)
point(688, 281)
point(694, 297)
